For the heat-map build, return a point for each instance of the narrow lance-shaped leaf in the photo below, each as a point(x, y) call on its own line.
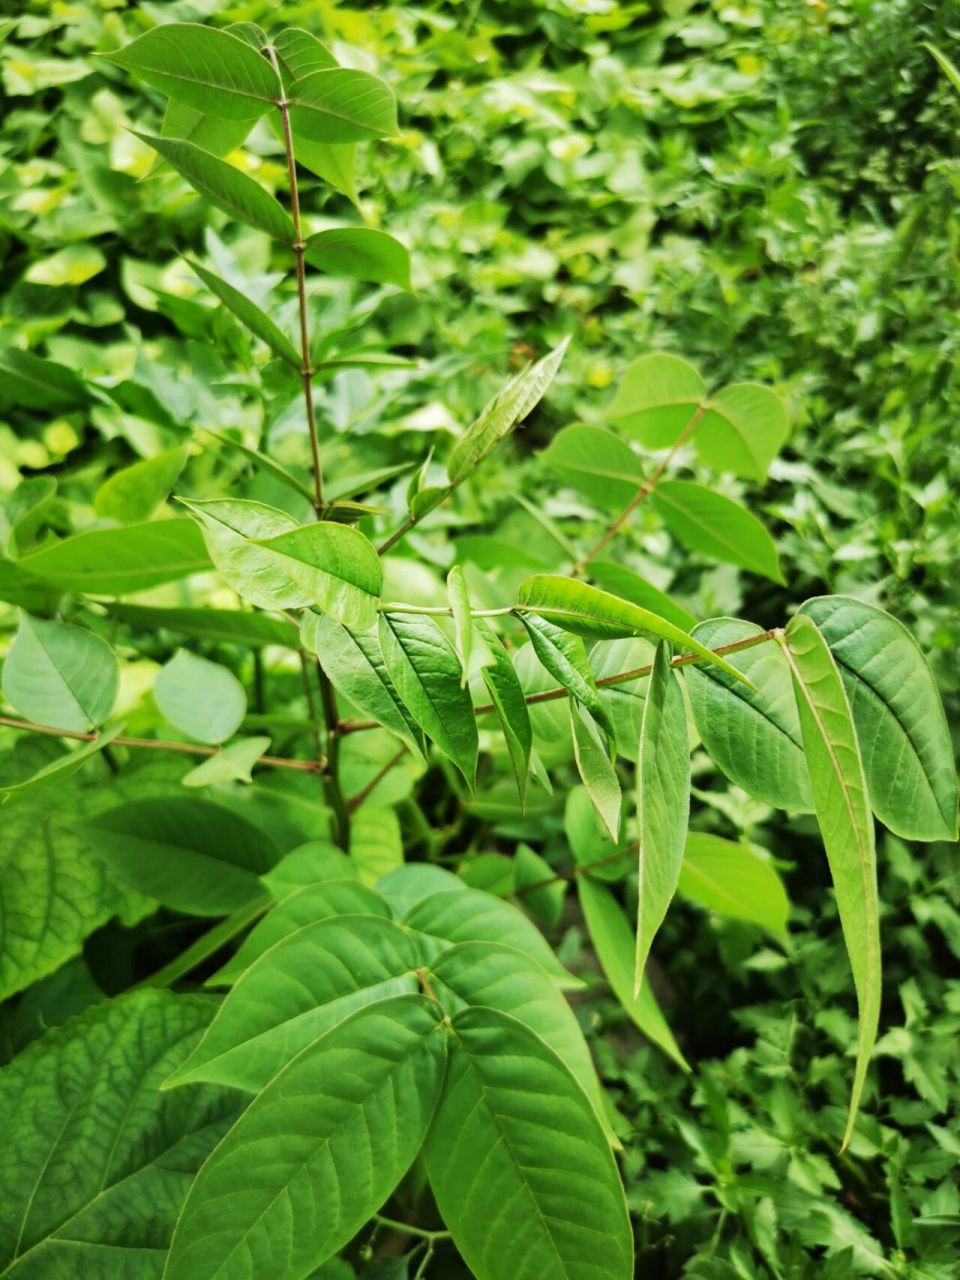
point(257, 321)
point(462, 621)
point(506, 694)
point(840, 801)
point(663, 802)
point(595, 767)
point(118, 562)
point(60, 675)
point(135, 492)
point(564, 656)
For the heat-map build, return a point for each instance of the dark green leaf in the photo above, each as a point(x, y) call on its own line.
point(360, 254)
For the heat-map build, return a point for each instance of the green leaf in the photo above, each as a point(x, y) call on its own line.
point(475, 916)
point(521, 395)
point(209, 133)
point(303, 906)
point(222, 626)
point(518, 1162)
point(189, 854)
point(74, 265)
point(60, 675)
point(117, 562)
point(946, 66)
point(135, 492)
point(308, 864)
point(263, 462)
point(753, 734)
point(620, 581)
point(360, 254)
point(462, 622)
point(300, 53)
point(613, 942)
point(224, 186)
point(248, 313)
point(564, 656)
point(334, 162)
point(31, 382)
point(339, 105)
point(318, 1151)
point(211, 71)
point(98, 1160)
point(61, 767)
point(901, 727)
point(506, 694)
point(336, 567)
point(589, 845)
point(716, 526)
point(202, 699)
point(420, 661)
point(656, 399)
point(234, 763)
point(733, 880)
point(840, 801)
point(354, 666)
point(596, 462)
point(663, 802)
point(588, 611)
point(596, 769)
point(233, 529)
point(742, 430)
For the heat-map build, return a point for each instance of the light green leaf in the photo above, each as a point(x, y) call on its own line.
point(420, 661)
point(462, 622)
point(224, 186)
point(201, 698)
point(60, 675)
point(334, 162)
point(189, 854)
point(753, 734)
point(248, 313)
point(846, 823)
point(135, 492)
point(118, 562)
point(308, 864)
point(623, 701)
point(360, 253)
point(613, 942)
point(518, 1162)
point(589, 845)
point(716, 526)
point(222, 626)
point(74, 265)
point(211, 71)
point(96, 1161)
point(657, 397)
point(587, 611)
point(235, 763)
point(663, 802)
point(564, 656)
point(210, 133)
point(405, 886)
point(336, 567)
point(340, 105)
point(290, 1185)
point(946, 66)
point(300, 53)
point(501, 415)
point(233, 529)
point(60, 767)
point(742, 430)
point(901, 727)
point(733, 880)
point(596, 769)
point(31, 382)
point(506, 694)
point(596, 462)
point(263, 462)
point(620, 581)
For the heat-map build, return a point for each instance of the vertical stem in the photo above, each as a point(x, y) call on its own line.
point(335, 796)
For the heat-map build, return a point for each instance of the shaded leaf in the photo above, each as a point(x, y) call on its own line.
point(117, 562)
point(135, 492)
point(257, 321)
point(60, 675)
point(596, 769)
point(506, 694)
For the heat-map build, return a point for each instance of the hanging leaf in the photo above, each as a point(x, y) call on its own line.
point(118, 562)
point(597, 463)
point(60, 675)
point(135, 492)
point(60, 767)
point(209, 133)
point(595, 767)
point(221, 626)
point(840, 801)
point(336, 567)
point(716, 526)
point(340, 105)
point(564, 656)
point(289, 1186)
point(360, 253)
point(663, 802)
point(734, 880)
point(506, 694)
point(202, 699)
point(257, 321)
point(462, 621)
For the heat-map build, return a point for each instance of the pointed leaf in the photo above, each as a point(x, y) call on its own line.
point(202, 699)
point(462, 622)
point(257, 321)
point(60, 675)
point(734, 880)
point(596, 769)
point(300, 53)
point(597, 463)
point(620, 581)
point(340, 105)
point(233, 529)
point(506, 694)
point(657, 397)
point(222, 626)
point(564, 656)
point(135, 492)
point(118, 562)
point(663, 802)
point(840, 801)
point(336, 566)
point(742, 430)
point(360, 253)
point(234, 763)
point(716, 526)
point(209, 133)
point(61, 767)
point(34, 383)
point(291, 1183)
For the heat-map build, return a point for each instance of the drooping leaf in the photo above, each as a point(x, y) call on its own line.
point(30, 381)
point(901, 727)
point(291, 1184)
point(214, 72)
point(462, 622)
point(518, 1162)
point(203, 699)
point(335, 566)
point(663, 802)
point(502, 414)
point(733, 880)
point(596, 462)
point(189, 854)
point(248, 313)
point(119, 562)
point(96, 1161)
point(716, 526)
point(60, 767)
point(426, 674)
point(614, 944)
point(233, 530)
point(588, 842)
point(596, 768)
point(135, 492)
point(657, 397)
point(334, 162)
point(623, 701)
point(840, 801)
point(620, 581)
point(209, 133)
point(223, 626)
point(360, 253)
point(60, 675)
point(562, 653)
point(506, 694)
point(224, 186)
point(340, 105)
point(753, 734)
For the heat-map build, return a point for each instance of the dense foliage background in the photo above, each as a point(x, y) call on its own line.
point(766, 188)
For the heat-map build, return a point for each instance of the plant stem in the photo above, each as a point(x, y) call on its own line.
point(207, 944)
point(335, 796)
point(440, 610)
point(357, 800)
point(420, 1232)
point(646, 488)
point(412, 521)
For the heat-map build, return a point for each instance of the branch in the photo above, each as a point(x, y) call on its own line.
point(414, 520)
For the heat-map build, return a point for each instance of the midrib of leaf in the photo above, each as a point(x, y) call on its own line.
point(696, 520)
point(338, 114)
point(742, 435)
point(720, 889)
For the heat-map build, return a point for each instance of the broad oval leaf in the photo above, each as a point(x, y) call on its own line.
point(340, 105)
point(597, 770)
point(596, 462)
point(211, 71)
point(292, 1182)
point(663, 802)
point(716, 526)
point(119, 562)
point(657, 398)
point(210, 133)
point(518, 1162)
point(506, 694)
point(189, 854)
point(335, 566)
point(248, 313)
point(299, 53)
point(846, 824)
point(201, 698)
point(233, 529)
point(901, 727)
point(742, 430)
point(734, 880)
point(426, 674)
point(60, 675)
point(135, 492)
point(752, 734)
point(297, 990)
point(360, 253)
